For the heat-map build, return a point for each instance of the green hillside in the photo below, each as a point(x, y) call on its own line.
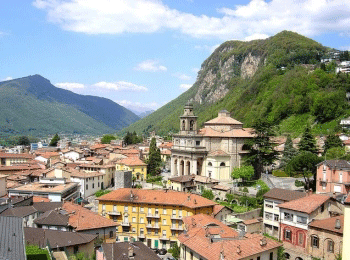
point(286, 85)
point(33, 106)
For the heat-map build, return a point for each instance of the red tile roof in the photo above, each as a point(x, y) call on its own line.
point(306, 204)
point(15, 155)
point(223, 120)
point(218, 153)
point(160, 197)
point(217, 209)
point(83, 219)
point(40, 199)
point(212, 239)
point(328, 224)
point(131, 161)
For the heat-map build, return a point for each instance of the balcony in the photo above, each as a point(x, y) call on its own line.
point(142, 236)
point(153, 215)
point(163, 238)
point(177, 228)
point(174, 217)
point(323, 180)
point(125, 224)
point(153, 226)
point(114, 213)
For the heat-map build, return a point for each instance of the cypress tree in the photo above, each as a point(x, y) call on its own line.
point(54, 140)
point(154, 159)
point(307, 142)
point(332, 141)
point(288, 153)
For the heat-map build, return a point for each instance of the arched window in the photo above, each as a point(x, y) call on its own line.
point(245, 147)
point(222, 164)
point(191, 125)
point(330, 246)
point(183, 125)
point(315, 241)
point(210, 164)
point(287, 235)
point(287, 256)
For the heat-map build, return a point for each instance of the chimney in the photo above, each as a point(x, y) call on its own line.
point(193, 222)
point(189, 197)
point(337, 224)
point(239, 251)
point(263, 241)
point(130, 252)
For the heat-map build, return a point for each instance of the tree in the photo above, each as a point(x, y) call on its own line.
point(332, 141)
point(54, 140)
point(305, 164)
point(262, 152)
point(280, 253)
point(307, 142)
point(175, 251)
point(244, 173)
point(106, 139)
point(23, 140)
point(132, 138)
point(335, 153)
point(288, 153)
point(208, 194)
point(154, 159)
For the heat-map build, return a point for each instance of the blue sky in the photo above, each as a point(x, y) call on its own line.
point(144, 53)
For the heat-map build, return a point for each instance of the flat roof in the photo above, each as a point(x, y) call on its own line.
point(46, 187)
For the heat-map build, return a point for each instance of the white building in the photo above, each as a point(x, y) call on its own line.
point(3, 182)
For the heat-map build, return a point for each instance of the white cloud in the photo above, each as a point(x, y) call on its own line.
point(211, 49)
point(70, 85)
point(138, 106)
point(344, 48)
point(256, 36)
point(120, 86)
point(258, 17)
point(6, 79)
point(185, 86)
point(150, 65)
point(182, 76)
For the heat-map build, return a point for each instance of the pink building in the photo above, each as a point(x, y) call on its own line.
point(333, 176)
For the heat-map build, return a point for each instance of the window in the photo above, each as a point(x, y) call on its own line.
point(164, 211)
point(142, 209)
point(164, 221)
point(133, 230)
point(98, 184)
point(268, 205)
point(287, 235)
point(141, 220)
point(156, 232)
point(322, 207)
point(222, 164)
point(93, 185)
point(142, 232)
point(271, 256)
point(330, 246)
point(314, 241)
point(164, 233)
point(210, 164)
point(173, 233)
point(288, 216)
point(110, 234)
point(133, 219)
point(174, 212)
point(198, 143)
point(268, 216)
point(156, 211)
point(87, 186)
point(133, 209)
point(103, 207)
point(301, 220)
point(126, 209)
point(301, 239)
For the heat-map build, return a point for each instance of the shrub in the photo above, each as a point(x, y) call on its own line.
point(101, 192)
point(279, 173)
point(245, 189)
point(208, 194)
point(299, 183)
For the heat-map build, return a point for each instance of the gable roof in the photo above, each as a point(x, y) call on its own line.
point(12, 238)
point(161, 197)
point(306, 204)
point(19, 211)
point(336, 164)
point(56, 238)
point(121, 249)
point(223, 120)
point(53, 218)
point(284, 195)
point(328, 224)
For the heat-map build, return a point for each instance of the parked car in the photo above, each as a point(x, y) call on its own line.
point(162, 251)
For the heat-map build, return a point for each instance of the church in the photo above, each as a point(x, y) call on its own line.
point(213, 151)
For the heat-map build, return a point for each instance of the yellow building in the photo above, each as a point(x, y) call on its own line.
point(151, 216)
point(8, 159)
point(135, 165)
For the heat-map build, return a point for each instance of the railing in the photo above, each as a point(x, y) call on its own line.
point(176, 217)
point(115, 213)
point(152, 226)
point(149, 215)
point(176, 228)
point(125, 224)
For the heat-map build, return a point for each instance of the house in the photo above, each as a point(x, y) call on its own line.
point(191, 183)
point(54, 189)
point(222, 213)
point(326, 238)
point(250, 226)
point(295, 217)
point(151, 216)
point(271, 215)
point(208, 238)
point(333, 176)
point(71, 242)
point(73, 217)
point(213, 151)
point(73, 155)
point(125, 250)
point(3, 187)
point(13, 246)
point(346, 230)
point(107, 169)
point(8, 159)
point(47, 157)
point(135, 165)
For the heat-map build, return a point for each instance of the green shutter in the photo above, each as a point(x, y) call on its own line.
point(156, 243)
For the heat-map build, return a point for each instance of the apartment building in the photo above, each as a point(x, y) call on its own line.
point(151, 216)
point(8, 159)
point(272, 199)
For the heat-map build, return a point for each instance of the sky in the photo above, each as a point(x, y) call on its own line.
point(144, 53)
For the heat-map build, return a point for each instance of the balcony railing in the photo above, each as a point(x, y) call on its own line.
point(114, 213)
point(176, 217)
point(152, 226)
point(153, 215)
point(163, 238)
point(176, 228)
point(125, 224)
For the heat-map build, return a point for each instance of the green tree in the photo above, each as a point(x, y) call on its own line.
point(54, 140)
point(288, 153)
point(307, 142)
point(280, 253)
point(305, 164)
point(154, 160)
point(245, 173)
point(332, 141)
point(262, 152)
point(23, 140)
point(175, 251)
point(106, 139)
point(335, 153)
point(208, 194)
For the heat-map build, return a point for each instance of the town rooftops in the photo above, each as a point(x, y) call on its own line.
point(284, 195)
point(131, 161)
point(19, 211)
point(161, 197)
point(16, 155)
point(54, 217)
point(336, 164)
point(121, 251)
point(83, 174)
point(46, 187)
point(12, 239)
point(329, 224)
point(221, 187)
point(55, 238)
point(306, 204)
point(211, 239)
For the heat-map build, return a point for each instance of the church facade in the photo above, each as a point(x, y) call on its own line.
point(213, 151)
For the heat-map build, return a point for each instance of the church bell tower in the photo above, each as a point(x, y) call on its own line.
point(188, 121)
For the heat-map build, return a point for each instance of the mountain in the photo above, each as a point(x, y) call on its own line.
point(144, 114)
point(32, 105)
point(279, 78)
